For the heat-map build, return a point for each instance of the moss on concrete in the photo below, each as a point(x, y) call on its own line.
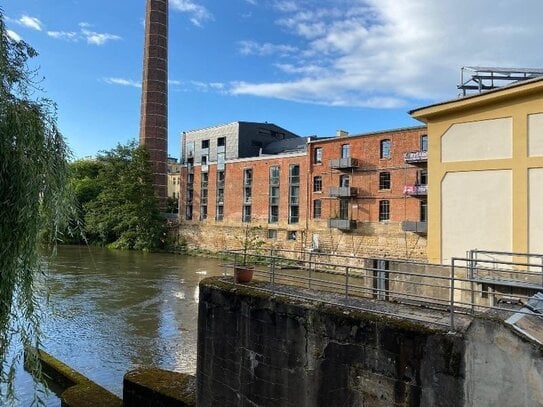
point(158, 384)
point(89, 395)
point(340, 313)
point(79, 391)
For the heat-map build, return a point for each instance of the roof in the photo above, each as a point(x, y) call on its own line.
point(373, 133)
point(484, 97)
point(239, 122)
point(286, 145)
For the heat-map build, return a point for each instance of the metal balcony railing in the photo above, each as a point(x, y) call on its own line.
point(342, 192)
point(415, 190)
point(415, 157)
point(416, 227)
point(343, 163)
point(342, 224)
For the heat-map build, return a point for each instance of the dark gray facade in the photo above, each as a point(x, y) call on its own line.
point(237, 140)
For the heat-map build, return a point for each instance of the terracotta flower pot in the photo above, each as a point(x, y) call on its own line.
point(243, 274)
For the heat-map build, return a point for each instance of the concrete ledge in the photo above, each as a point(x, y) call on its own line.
point(89, 395)
point(76, 390)
point(152, 387)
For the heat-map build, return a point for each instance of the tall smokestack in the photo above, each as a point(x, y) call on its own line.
point(154, 96)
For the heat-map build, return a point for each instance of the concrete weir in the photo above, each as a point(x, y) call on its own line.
point(256, 348)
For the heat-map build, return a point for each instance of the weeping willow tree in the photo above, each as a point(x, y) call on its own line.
point(33, 164)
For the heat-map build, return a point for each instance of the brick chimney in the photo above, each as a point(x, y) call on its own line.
point(154, 96)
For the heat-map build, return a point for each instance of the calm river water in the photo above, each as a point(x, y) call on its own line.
point(111, 311)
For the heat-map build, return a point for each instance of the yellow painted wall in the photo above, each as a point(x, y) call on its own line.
point(515, 104)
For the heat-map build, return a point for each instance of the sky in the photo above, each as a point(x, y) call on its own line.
point(310, 66)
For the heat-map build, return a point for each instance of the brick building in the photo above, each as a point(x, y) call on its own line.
point(363, 194)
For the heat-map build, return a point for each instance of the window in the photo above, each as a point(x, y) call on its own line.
point(291, 235)
point(274, 175)
point(344, 181)
point(221, 142)
point(317, 155)
point(203, 212)
point(384, 180)
point(272, 234)
point(246, 213)
point(274, 214)
point(345, 151)
point(343, 209)
point(205, 144)
point(294, 214)
point(317, 204)
point(220, 212)
point(423, 211)
point(422, 177)
point(294, 193)
point(317, 183)
point(247, 194)
point(294, 174)
point(424, 142)
point(384, 211)
point(385, 148)
point(273, 204)
point(248, 176)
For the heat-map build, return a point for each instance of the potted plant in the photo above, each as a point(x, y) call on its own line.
point(250, 242)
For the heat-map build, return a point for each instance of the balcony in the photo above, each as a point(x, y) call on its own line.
point(342, 192)
point(190, 169)
point(415, 227)
point(220, 184)
point(247, 200)
point(416, 157)
point(343, 163)
point(342, 224)
point(415, 190)
point(205, 168)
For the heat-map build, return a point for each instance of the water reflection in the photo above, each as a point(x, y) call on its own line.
point(112, 311)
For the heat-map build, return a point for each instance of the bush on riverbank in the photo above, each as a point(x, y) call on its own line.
point(118, 207)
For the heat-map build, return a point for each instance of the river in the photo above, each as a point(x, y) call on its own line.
point(112, 311)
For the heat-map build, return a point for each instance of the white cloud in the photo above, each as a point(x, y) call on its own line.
point(63, 35)
point(198, 13)
point(13, 35)
point(98, 38)
point(254, 48)
point(30, 22)
point(252, 2)
point(122, 82)
point(390, 53)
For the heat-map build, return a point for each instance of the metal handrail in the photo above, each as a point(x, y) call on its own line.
point(356, 279)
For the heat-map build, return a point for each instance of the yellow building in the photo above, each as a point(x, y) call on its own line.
point(485, 166)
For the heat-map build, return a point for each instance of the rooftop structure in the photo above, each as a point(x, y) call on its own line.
point(479, 78)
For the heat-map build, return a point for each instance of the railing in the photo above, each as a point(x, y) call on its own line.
point(451, 292)
point(342, 192)
point(343, 163)
point(415, 189)
point(342, 224)
point(413, 226)
point(416, 157)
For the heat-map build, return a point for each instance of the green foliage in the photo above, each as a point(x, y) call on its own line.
point(117, 199)
point(33, 198)
point(251, 243)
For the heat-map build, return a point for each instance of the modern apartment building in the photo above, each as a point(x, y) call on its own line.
point(364, 194)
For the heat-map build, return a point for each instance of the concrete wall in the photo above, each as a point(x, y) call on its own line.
point(259, 350)
point(255, 349)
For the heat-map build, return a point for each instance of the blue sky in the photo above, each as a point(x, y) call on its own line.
point(311, 66)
